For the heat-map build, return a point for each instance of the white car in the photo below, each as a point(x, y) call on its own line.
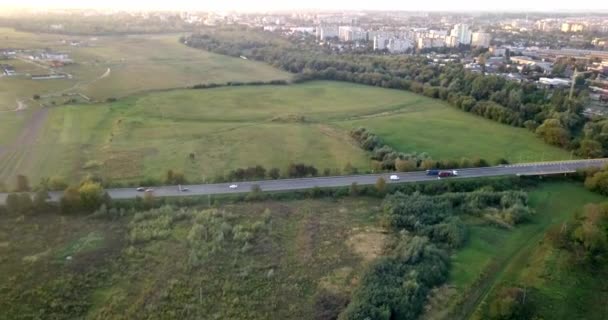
point(149, 190)
point(141, 189)
point(233, 186)
point(394, 177)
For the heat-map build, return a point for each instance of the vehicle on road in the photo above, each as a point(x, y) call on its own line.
point(149, 190)
point(432, 172)
point(233, 186)
point(447, 174)
point(182, 189)
point(394, 177)
point(141, 189)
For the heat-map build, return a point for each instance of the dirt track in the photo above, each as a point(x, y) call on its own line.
point(17, 154)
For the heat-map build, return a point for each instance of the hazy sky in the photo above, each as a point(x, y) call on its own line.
point(262, 5)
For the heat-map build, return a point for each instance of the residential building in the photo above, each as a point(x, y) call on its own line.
point(349, 33)
point(572, 27)
point(462, 33)
point(523, 60)
point(380, 42)
point(327, 32)
point(481, 39)
point(451, 41)
point(398, 45)
point(497, 52)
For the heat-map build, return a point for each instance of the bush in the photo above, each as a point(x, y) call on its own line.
point(22, 184)
point(255, 193)
point(328, 305)
point(510, 304)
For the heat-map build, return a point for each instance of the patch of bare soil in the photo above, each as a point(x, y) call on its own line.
point(367, 243)
point(306, 238)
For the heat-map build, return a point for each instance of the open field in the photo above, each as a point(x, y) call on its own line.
point(271, 264)
point(227, 128)
point(447, 133)
point(135, 64)
point(493, 256)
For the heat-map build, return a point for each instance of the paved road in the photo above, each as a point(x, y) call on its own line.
point(538, 168)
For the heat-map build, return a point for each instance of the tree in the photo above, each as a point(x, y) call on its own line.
point(381, 185)
point(598, 182)
point(92, 195)
point(349, 169)
point(169, 176)
point(57, 183)
point(23, 184)
point(509, 304)
point(149, 200)
point(255, 193)
point(12, 203)
point(40, 199)
point(25, 205)
point(274, 173)
point(405, 165)
point(553, 132)
point(70, 201)
point(590, 149)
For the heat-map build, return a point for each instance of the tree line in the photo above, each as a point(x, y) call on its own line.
point(548, 112)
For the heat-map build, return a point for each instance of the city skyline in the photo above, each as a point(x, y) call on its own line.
point(276, 5)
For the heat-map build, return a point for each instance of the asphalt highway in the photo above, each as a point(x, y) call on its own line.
point(537, 168)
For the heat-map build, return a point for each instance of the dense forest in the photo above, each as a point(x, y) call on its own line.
point(548, 112)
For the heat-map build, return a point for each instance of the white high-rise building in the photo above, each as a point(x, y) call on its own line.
point(462, 33)
point(451, 41)
point(481, 39)
point(398, 45)
point(380, 42)
point(349, 33)
point(326, 32)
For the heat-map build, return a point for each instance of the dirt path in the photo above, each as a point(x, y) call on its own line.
point(106, 74)
point(18, 153)
point(20, 106)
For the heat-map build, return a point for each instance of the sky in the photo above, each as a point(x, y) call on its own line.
point(274, 5)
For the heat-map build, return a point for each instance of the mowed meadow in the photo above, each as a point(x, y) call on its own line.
point(205, 133)
point(114, 67)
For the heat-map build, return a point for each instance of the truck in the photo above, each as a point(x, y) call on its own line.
point(432, 172)
point(447, 173)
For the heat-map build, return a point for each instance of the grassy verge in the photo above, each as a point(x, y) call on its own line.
point(493, 256)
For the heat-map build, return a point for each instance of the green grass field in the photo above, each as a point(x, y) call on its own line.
point(78, 267)
point(135, 64)
point(231, 127)
point(494, 256)
point(447, 133)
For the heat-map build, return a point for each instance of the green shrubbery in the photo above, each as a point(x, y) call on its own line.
point(154, 224)
point(427, 227)
point(213, 230)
